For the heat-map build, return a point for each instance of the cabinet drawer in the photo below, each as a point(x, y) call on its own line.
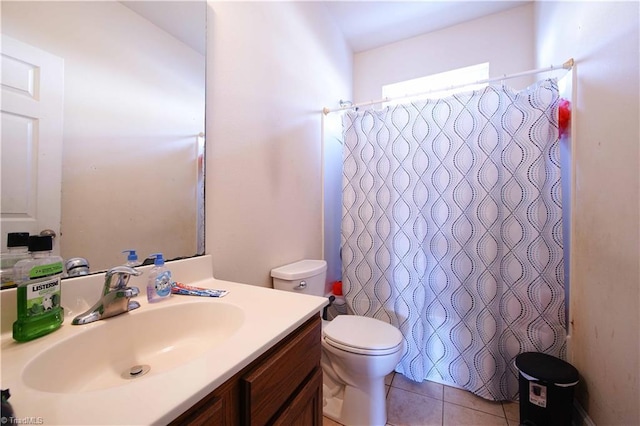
point(305, 407)
point(268, 387)
point(219, 408)
point(209, 416)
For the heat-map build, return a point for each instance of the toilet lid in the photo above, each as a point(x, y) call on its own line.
point(363, 335)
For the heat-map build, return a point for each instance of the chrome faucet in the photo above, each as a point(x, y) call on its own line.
point(115, 296)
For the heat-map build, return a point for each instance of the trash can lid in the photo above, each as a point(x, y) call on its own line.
point(547, 368)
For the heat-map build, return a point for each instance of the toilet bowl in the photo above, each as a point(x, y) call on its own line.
point(357, 352)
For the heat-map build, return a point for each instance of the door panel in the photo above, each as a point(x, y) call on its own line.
point(32, 120)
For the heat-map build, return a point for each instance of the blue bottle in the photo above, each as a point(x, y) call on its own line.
point(159, 284)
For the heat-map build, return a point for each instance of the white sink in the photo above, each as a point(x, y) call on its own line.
point(161, 339)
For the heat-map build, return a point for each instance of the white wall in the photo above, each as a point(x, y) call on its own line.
point(272, 66)
point(505, 40)
point(603, 37)
point(129, 149)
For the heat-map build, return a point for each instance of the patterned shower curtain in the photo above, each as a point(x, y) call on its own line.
point(452, 231)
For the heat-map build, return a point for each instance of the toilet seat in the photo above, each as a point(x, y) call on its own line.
point(362, 335)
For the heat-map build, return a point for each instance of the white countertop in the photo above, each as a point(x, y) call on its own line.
point(269, 316)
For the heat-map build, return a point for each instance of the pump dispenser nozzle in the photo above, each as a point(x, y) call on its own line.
point(159, 260)
point(132, 258)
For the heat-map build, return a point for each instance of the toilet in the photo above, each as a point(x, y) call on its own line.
point(357, 352)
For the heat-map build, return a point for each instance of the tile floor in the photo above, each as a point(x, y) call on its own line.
point(432, 404)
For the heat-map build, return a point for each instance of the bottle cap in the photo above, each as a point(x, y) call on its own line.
point(159, 259)
point(40, 243)
point(17, 239)
point(132, 255)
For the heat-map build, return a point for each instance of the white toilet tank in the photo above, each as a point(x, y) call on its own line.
point(305, 276)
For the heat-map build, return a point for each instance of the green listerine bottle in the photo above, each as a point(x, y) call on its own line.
point(17, 250)
point(39, 291)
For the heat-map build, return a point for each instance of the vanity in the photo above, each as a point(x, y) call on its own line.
point(251, 357)
point(284, 386)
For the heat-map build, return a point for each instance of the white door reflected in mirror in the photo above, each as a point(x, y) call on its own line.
point(32, 119)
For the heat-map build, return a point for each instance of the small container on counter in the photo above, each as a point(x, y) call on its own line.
point(39, 291)
point(159, 284)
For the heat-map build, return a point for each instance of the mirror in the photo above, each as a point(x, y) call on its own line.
point(132, 157)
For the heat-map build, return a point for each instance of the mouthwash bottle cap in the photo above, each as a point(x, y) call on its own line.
point(159, 259)
point(132, 257)
point(40, 243)
point(17, 239)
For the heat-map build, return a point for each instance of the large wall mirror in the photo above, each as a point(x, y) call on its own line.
point(130, 117)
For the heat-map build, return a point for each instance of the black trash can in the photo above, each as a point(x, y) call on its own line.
point(546, 386)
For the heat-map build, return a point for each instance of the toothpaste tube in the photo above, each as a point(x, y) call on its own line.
point(179, 288)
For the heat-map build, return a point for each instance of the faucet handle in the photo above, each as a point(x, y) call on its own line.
point(118, 277)
point(131, 292)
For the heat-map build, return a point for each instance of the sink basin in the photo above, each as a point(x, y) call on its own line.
point(103, 355)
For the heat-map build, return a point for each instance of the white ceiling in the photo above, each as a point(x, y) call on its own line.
point(185, 20)
point(364, 24)
point(370, 24)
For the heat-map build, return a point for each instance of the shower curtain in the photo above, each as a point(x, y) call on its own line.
point(452, 231)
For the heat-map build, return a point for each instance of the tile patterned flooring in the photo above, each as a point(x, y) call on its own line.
point(432, 404)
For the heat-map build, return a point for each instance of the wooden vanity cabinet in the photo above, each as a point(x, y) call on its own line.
point(281, 387)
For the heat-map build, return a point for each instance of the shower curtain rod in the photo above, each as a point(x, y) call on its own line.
point(350, 105)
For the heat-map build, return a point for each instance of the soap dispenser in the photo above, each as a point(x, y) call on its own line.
point(132, 258)
point(159, 284)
